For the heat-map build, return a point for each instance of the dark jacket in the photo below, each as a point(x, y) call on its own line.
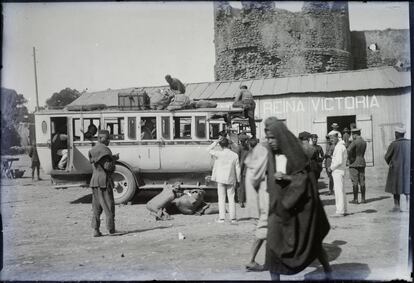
point(102, 165)
point(297, 222)
point(398, 158)
point(356, 152)
point(176, 84)
point(33, 154)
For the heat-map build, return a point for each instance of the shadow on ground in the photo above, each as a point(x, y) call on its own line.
point(333, 251)
point(332, 201)
point(343, 271)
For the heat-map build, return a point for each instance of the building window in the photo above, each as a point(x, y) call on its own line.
point(200, 123)
point(165, 128)
point(115, 126)
point(182, 127)
point(148, 128)
point(132, 128)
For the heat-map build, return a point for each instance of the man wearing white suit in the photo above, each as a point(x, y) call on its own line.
point(226, 172)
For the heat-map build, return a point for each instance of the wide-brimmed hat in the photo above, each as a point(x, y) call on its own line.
point(335, 126)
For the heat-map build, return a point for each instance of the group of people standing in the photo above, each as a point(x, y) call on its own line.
point(281, 192)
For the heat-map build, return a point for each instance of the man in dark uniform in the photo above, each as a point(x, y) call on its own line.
point(244, 99)
point(310, 152)
point(103, 165)
point(345, 137)
point(356, 152)
point(175, 84)
point(328, 160)
point(319, 154)
point(398, 158)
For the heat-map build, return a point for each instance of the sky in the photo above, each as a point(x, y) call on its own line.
point(96, 46)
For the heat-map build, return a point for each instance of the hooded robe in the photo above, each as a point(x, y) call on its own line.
point(297, 222)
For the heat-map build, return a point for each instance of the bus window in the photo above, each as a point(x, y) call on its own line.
point(214, 130)
point(182, 127)
point(76, 125)
point(200, 123)
point(165, 128)
point(132, 128)
point(115, 126)
point(90, 128)
point(148, 128)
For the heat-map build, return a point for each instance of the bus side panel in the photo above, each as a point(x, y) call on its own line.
point(145, 157)
point(43, 128)
point(81, 159)
point(185, 158)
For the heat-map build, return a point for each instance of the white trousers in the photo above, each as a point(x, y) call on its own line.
point(340, 194)
point(222, 190)
point(63, 159)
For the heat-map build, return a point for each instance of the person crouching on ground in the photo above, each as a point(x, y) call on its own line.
point(257, 196)
point(226, 172)
point(338, 167)
point(103, 165)
point(297, 223)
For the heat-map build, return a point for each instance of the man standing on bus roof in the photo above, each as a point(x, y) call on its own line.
point(175, 84)
point(245, 100)
point(103, 165)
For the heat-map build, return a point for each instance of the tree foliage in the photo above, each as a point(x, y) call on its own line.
point(13, 112)
point(63, 97)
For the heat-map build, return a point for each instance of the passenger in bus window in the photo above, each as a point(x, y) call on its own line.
point(90, 133)
point(60, 146)
point(147, 129)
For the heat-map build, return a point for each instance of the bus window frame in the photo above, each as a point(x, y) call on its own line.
point(115, 116)
point(136, 128)
point(206, 130)
point(157, 124)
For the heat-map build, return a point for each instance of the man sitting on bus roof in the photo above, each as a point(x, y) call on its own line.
point(175, 84)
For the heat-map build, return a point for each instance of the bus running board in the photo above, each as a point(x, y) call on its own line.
point(64, 186)
point(184, 186)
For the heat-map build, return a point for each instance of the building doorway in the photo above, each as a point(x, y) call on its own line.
point(342, 121)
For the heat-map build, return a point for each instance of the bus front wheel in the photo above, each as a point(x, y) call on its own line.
point(125, 186)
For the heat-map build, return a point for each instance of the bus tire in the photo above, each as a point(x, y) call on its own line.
point(124, 184)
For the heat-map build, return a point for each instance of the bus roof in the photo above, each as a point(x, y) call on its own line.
point(129, 110)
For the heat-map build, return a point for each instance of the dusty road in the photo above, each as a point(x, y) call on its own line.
point(47, 236)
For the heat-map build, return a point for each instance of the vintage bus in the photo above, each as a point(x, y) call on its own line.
point(154, 146)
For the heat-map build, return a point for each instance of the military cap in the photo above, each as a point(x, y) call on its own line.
point(335, 126)
point(346, 130)
point(355, 130)
point(314, 136)
point(400, 130)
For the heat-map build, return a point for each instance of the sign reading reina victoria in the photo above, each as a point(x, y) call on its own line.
point(319, 104)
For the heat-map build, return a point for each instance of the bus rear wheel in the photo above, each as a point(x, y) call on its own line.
point(124, 184)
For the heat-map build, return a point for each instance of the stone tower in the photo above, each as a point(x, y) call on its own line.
point(261, 41)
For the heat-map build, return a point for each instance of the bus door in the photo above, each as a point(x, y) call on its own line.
point(84, 135)
point(59, 142)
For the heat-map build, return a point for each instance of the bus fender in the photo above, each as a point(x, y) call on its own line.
point(123, 163)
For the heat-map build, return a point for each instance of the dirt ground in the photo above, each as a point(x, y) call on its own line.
point(47, 236)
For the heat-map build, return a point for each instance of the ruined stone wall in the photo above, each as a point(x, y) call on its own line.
point(390, 47)
point(260, 41)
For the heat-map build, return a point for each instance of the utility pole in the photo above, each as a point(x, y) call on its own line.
point(35, 73)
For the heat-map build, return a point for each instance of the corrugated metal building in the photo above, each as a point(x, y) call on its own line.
point(376, 99)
